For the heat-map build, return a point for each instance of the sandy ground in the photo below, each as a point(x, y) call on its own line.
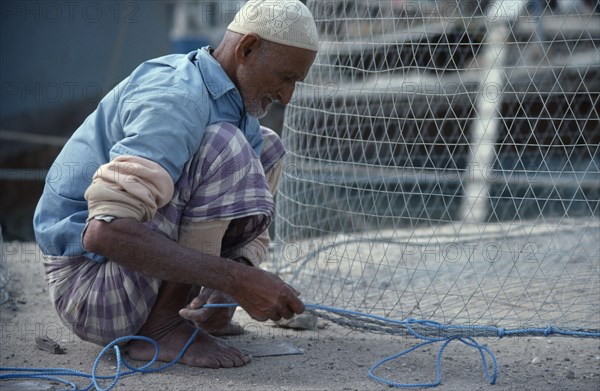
point(334, 358)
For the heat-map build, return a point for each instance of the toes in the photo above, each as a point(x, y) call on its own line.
point(232, 357)
point(206, 351)
point(228, 358)
point(225, 362)
point(244, 359)
point(211, 352)
point(239, 358)
point(206, 362)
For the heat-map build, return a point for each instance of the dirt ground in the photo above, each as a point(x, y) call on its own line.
point(334, 358)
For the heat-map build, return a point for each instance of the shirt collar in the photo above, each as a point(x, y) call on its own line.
point(216, 80)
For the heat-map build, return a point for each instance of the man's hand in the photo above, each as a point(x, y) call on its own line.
point(262, 294)
point(266, 296)
point(216, 321)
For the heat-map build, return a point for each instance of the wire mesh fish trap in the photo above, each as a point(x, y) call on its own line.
point(443, 165)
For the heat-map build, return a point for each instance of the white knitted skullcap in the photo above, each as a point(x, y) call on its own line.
point(288, 22)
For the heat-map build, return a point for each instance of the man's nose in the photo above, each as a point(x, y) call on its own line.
point(285, 95)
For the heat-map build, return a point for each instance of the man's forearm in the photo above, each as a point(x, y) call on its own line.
point(136, 247)
point(125, 241)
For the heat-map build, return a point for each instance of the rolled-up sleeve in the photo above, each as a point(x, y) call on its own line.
point(129, 186)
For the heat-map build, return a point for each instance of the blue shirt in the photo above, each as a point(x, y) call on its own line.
point(158, 113)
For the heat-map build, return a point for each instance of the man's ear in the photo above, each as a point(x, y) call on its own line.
point(247, 45)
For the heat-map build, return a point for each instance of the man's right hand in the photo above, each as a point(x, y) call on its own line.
point(130, 243)
point(266, 296)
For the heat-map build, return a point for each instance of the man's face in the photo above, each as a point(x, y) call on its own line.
point(272, 75)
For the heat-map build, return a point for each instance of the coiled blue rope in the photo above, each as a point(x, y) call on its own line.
point(428, 341)
point(52, 374)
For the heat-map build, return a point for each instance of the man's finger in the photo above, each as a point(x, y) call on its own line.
point(194, 315)
point(201, 299)
point(297, 306)
point(260, 318)
point(287, 313)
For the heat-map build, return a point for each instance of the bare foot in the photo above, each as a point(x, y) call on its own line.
point(233, 328)
point(206, 351)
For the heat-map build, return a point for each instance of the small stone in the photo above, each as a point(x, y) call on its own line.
point(536, 360)
point(570, 374)
point(48, 345)
point(305, 321)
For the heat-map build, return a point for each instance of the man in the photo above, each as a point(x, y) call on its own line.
point(180, 196)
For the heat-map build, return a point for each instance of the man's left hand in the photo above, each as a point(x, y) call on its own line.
point(215, 321)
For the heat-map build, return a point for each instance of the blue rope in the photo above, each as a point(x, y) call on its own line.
point(52, 374)
point(428, 341)
point(468, 341)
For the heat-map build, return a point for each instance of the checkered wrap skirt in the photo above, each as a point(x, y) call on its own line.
point(225, 180)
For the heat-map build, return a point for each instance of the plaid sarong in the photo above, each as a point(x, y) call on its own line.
point(225, 180)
